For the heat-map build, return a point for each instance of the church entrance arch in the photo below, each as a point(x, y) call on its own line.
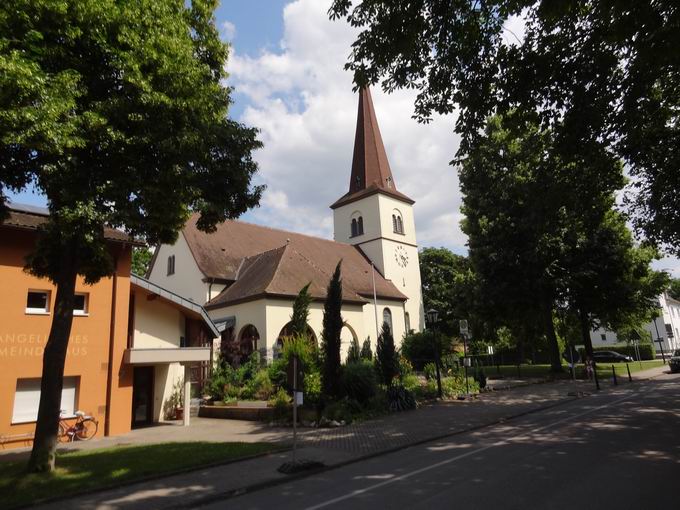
point(287, 332)
point(248, 340)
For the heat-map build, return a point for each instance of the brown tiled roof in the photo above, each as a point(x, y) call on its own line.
point(31, 218)
point(266, 261)
point(371, 171)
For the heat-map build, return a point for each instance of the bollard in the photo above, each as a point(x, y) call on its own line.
point(630, 378)
point(616, 382)
point(597, 380)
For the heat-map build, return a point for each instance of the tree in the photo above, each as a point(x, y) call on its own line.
point(330, 341)
point(594, 70)
point(354, 351)
point(611, 283)
point(524, 206)
point(674, 288)
point(117, 113)
point(301, 311)
point(448, 282)
point(386, 361)
point(366, 352)
point(141, 258)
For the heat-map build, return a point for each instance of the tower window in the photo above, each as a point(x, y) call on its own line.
point(397, 223)
point(171, 265)
point(357, 226)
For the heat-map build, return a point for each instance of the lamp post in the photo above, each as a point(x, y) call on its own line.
point(464, 331)
point(432, 316)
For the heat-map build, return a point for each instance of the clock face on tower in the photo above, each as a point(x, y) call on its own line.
point(401, 256)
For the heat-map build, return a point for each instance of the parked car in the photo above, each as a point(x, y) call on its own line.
point(674, 362)
point(610, 357)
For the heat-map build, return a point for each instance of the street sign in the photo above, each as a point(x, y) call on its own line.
point(467, 362)
point(463, 325)
point(489, 349)
point(299, 400)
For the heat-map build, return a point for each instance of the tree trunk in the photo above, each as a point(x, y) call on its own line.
point(585, 332)
point(553, 346)
point(54, 357)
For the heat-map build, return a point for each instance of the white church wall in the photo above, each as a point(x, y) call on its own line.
point(187, 279)
point(387, 205)
point(251, 312)
point(398, 321)
point(342, 220)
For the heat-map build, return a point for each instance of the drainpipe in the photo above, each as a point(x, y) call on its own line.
point(112, 331)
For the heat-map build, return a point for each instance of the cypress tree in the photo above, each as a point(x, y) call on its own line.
point(386, 356)
point(330, 342)
point(300, 315)
point(354, 352)
point(366, 352)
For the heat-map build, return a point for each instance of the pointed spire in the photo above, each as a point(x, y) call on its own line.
point(369, 163)
point(371, 171)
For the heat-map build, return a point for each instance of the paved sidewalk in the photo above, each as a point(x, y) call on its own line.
point(331, 446)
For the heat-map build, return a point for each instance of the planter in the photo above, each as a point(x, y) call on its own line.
point(179, 413)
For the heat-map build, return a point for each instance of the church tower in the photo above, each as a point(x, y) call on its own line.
point(375, 217)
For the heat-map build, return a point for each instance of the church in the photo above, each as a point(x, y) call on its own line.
point(247, 276)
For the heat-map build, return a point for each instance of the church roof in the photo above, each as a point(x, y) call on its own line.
point(257, 261)
point(371, 171)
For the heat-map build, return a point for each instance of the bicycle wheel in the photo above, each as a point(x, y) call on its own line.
point(61, 434)
point(86, 429)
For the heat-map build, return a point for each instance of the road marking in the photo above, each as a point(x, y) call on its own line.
point(370, 488)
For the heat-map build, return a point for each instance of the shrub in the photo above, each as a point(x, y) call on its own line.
point(366, 352)
point(400, 399)
point(405, 367)
point(281, 404)
point(261, 386)
point(453, 386)
point(411, 382)
point(359, 381)
point(419, 348)
point(430, 371)
point(222, 377)
point(386, 361)
point(354, 352)
point(277, 372)
point(313, 387)
point(342, 410)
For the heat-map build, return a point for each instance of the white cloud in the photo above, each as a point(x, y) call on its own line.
point(302, 101)
point(228, 30)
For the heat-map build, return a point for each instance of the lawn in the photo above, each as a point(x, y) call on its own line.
point(603, 369)
point(80, 471)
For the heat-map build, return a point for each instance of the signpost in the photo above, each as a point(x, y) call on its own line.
point(296, 379)
point(463, 326)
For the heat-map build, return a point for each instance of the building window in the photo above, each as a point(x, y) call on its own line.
point(407, 322)
point(81, 304)
point(387, 318)
point(357, 226)
point(397, 222)
point(27, 399)
point(38, 301)
point(171, 265)
point(603, 337)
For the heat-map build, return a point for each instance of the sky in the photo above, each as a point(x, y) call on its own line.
point(286, 67)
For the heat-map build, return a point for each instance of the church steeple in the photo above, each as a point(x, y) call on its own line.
point(371, 172)
point(370, 165)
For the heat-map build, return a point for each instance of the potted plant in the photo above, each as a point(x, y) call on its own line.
point(174, 405)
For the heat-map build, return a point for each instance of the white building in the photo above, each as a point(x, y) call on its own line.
point(247, 276)
point(665, 327)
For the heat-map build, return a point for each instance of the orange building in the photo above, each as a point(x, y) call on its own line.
point(102, 359)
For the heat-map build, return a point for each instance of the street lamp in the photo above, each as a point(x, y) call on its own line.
point(432, 317)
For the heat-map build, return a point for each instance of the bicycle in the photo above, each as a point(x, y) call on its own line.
point(83, 429)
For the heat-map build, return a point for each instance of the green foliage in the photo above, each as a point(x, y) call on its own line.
point(330, 344)
point(405, 367)
point(419, 348)
point(278, 372)
point(344, 409)
point(359, 381)
point(260, 387)
point(313, 389)
point(354, 351)
point(301, 311)
point(400, 399)
point(281, 403)
point(674, 288)
point(386, 360)
point(411, 382)
point(430, 371)
point(575, 60)
point(141, 257)
point(366, 352)
point(222, 378)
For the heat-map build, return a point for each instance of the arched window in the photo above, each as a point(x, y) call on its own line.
point(354, 227)
point(397, 222)
point(360, 226)
point(387, 318)
point(407, 322)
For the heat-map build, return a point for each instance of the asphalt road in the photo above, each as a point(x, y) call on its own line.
point(614, 450)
